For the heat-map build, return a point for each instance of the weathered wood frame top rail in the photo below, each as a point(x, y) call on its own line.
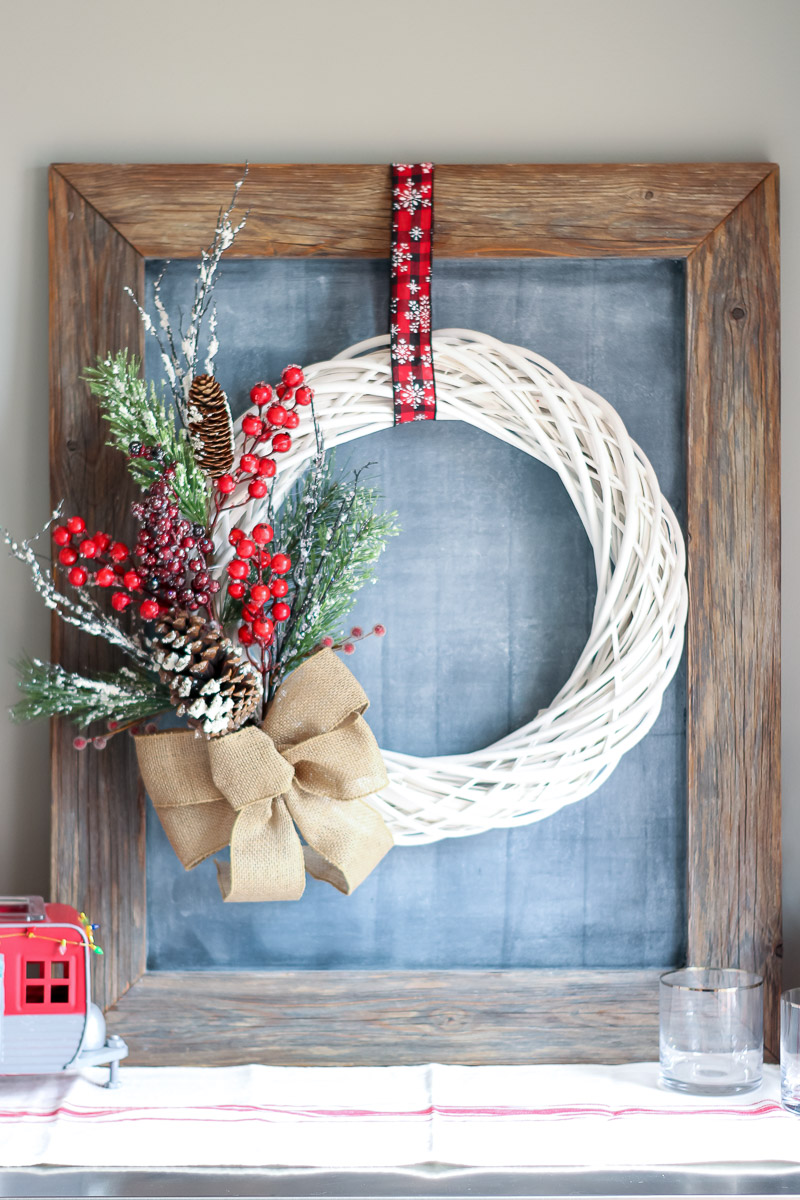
point(105, 221)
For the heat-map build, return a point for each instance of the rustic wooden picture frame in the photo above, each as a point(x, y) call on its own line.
point(105, 221)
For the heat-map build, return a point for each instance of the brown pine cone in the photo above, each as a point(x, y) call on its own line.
point(210, 682)
point(210, 426)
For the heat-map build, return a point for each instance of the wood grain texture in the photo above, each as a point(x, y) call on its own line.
point(724, 218)
point(733, 751)
point(355, 1018)
point(167, 211)
point(97, 858)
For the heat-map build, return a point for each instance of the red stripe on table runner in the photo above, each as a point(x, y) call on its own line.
point(413, 384)
point(768, 1108)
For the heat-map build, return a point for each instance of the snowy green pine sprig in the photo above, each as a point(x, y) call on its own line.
point(137, 414)
point(48, 690)
point(334, 534)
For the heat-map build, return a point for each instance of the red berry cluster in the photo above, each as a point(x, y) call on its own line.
point(172, 552)
point(257, 579)
point(269, 421)
point(103, 559)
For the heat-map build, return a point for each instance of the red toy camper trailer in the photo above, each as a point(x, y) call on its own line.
point(47, 1019)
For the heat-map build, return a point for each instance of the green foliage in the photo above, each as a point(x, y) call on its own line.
point(48, 690)
point(331, 529)
point(135, 413)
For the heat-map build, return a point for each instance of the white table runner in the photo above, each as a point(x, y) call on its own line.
point(386, 1116)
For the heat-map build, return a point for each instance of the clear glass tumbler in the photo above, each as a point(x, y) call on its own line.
point(711, 1030)
point(790, 1050)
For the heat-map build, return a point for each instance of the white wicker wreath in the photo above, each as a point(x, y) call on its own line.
point(614, 693)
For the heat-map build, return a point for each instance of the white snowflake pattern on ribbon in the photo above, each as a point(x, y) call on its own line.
point(401, 257)
point(401, 351)
point(419, 315)
point(414, 393)
point(411, 198)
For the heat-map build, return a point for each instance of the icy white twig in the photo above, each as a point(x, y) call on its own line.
point(213, 342)
point(171, 367)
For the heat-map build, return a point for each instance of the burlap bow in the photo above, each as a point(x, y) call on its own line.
point(305, 770)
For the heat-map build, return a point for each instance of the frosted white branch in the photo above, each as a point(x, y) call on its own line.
point(181, 361)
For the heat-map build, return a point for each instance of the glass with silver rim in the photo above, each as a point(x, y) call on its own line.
point(711, 1030)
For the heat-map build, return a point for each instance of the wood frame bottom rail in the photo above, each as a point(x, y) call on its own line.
point(389, 1018)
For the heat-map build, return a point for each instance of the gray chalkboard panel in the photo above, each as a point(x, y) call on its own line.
point(487, 596)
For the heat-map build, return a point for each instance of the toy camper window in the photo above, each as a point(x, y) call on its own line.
point(53, 983)
point(721, 220)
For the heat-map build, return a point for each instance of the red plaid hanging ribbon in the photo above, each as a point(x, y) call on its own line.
point(412, 245)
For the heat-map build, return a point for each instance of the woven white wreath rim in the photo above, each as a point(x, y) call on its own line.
point(614, 693)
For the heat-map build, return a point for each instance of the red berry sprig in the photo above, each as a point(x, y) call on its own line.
point(273, 415)
point(357, 634)
point(255, 574)
point(256, 577)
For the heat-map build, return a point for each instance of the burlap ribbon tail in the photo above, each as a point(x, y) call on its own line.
point(304, 772)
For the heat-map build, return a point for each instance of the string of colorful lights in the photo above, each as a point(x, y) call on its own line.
point(61, 942)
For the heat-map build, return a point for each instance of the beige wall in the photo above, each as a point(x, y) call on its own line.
point(340, 80)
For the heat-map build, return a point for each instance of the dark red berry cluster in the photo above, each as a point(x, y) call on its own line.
point(172, 552)
point(257, 579)
point(273, 415)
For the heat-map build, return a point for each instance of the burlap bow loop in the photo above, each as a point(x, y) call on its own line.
point(247, 768)
point(307, 769)
point(292, 718)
